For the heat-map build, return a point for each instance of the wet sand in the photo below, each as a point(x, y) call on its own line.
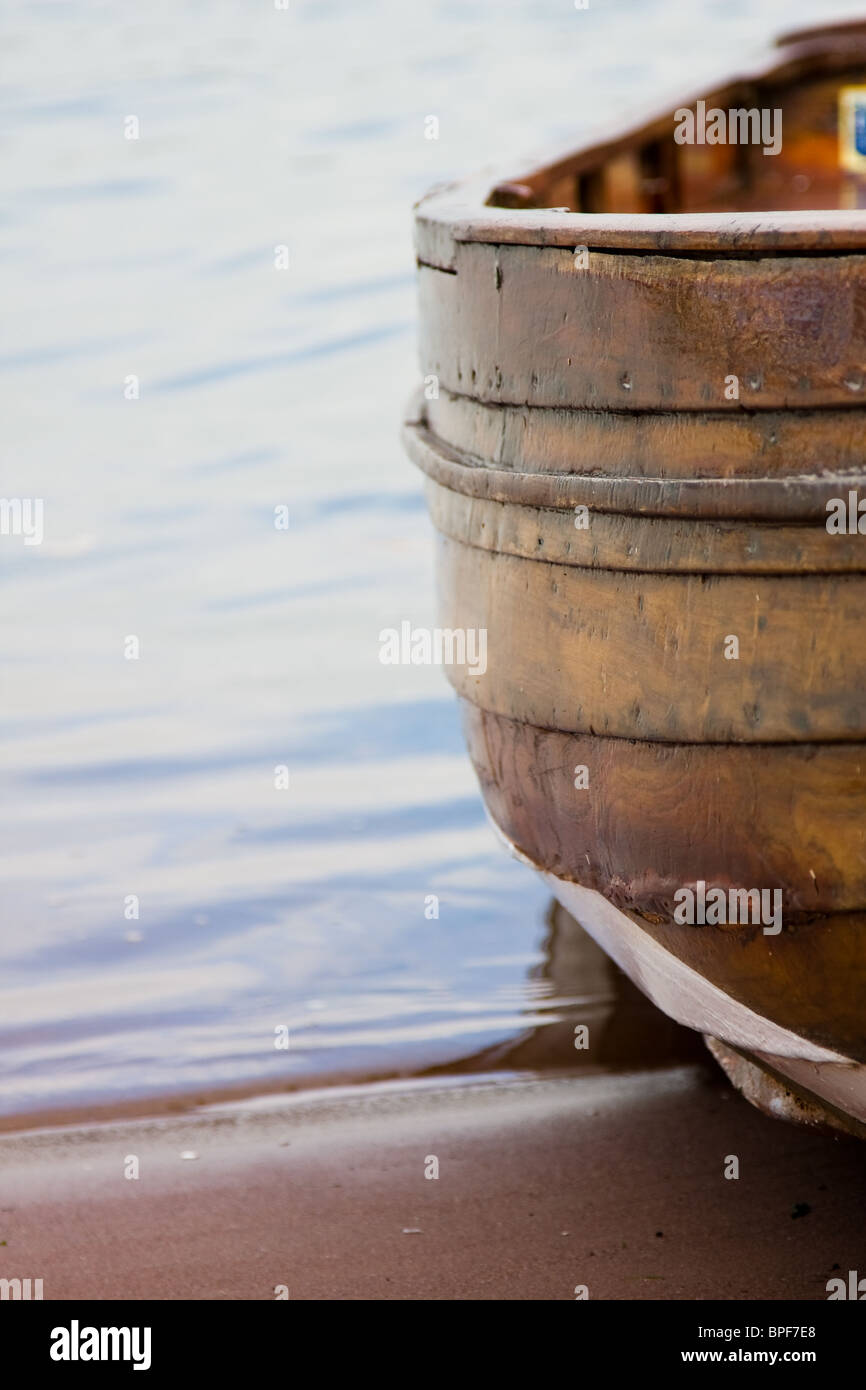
point(545, 1183)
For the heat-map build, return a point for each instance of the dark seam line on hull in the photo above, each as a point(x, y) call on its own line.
point(428, 265)
point(681, 254)
point(715, 415)
point(676, 574)
point(856, 742)
point(709, 413)
point(672, 519)
point(802, 916)
point(664, 574)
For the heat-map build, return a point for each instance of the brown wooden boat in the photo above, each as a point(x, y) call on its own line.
point(642, 429)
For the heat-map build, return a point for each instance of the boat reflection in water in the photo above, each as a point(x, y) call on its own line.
point(581, 987)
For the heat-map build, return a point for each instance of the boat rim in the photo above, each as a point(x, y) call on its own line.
point(467, 210)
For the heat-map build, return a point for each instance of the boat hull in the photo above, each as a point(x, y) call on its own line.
point(640, 412)
point(623, 757)
point(780, 1071)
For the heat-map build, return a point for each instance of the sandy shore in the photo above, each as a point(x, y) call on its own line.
point(616, 1182)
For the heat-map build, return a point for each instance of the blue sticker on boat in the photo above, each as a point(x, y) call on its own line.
point(852, 129)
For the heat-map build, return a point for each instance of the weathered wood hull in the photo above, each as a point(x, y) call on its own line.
point(635, 425)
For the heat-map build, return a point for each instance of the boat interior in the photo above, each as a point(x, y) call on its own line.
point(716, 162)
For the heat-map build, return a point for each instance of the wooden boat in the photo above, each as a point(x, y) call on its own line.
point(643, 407)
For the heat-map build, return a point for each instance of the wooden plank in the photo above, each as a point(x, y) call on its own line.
point(700, 444)
point(643, 656)
point(748, 499)
point(613, 541)
point(655, 817)
point(443, 222)
point(845, 30)
point(521, 325)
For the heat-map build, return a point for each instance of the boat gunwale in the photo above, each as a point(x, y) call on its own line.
point(464, 211)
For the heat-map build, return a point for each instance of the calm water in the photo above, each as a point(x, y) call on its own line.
point(154, 778)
